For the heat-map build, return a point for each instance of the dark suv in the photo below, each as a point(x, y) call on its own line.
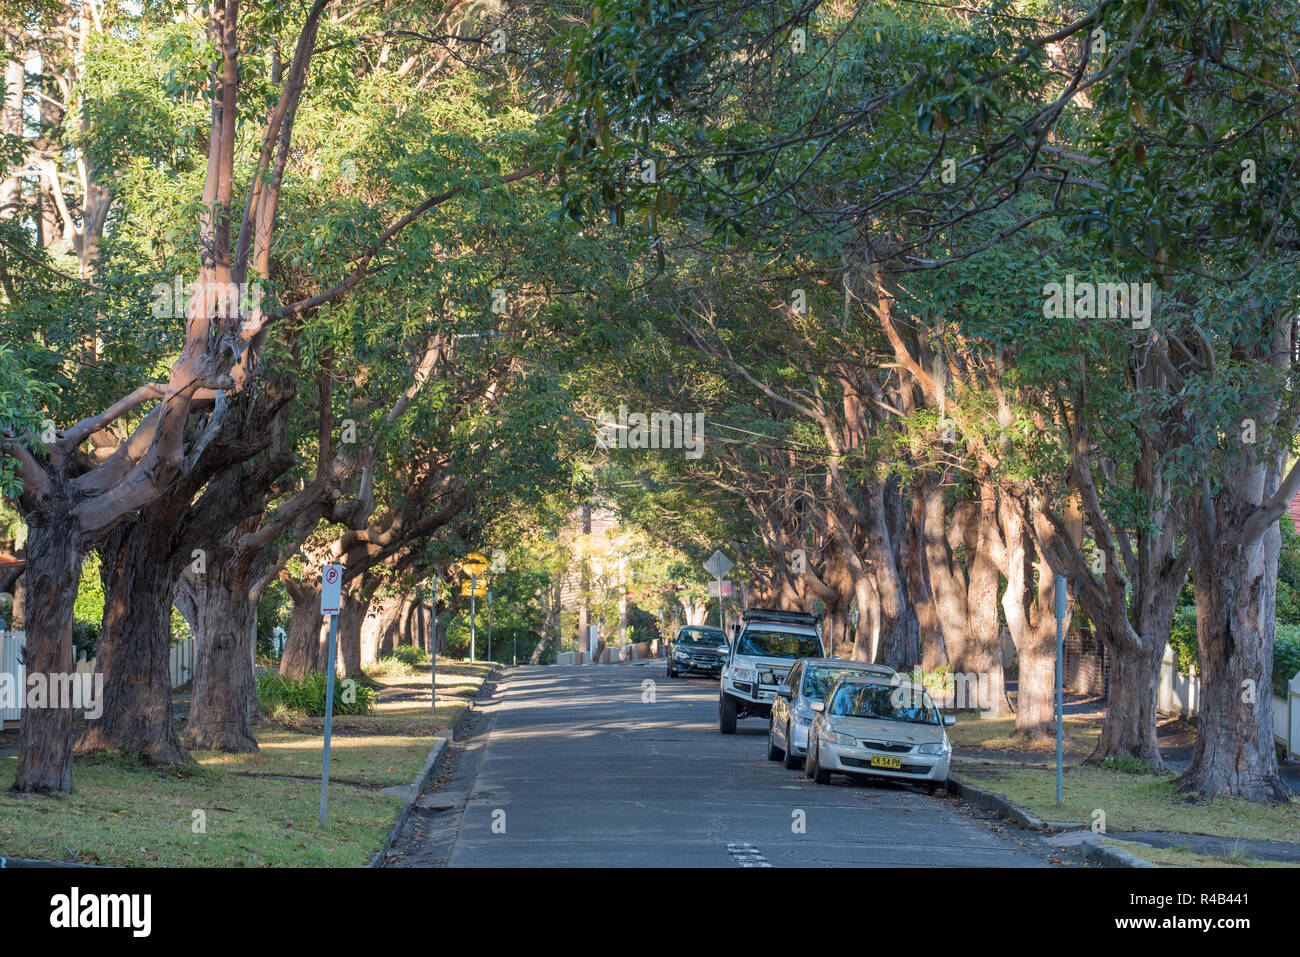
point(697, 649)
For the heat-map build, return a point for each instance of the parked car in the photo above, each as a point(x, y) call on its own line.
point(889, 729)
point(761, 656)
point(697, 649)
point(792, 713)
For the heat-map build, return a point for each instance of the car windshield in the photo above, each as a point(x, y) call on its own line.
point(818, 681)
point(778, 644)
point(885, 703)
point(696, 636)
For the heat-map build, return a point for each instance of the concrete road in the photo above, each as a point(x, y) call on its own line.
point(594, 766)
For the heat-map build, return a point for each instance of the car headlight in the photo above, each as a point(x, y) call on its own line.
point(803, 718)
point(742, 674)
point(681, 656)
point(835, 737)
point(934, 747)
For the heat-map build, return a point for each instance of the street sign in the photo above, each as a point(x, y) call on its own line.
point(467, 589)
point(727, 588)
point(718, 565)
point(474, 564)
point(331, 589)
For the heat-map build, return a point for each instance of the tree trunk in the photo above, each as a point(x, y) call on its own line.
point(134, 652)
point(349, 655)
point(304, 649)
point(223, 616)
point(1133, 688)
point(947, 577)
point(929, 633)
point(1236, 595)
point(53, 571)
point(982, 664)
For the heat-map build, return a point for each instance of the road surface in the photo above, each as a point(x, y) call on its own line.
point(585, 766)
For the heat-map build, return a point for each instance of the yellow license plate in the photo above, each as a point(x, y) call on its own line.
point(893, 764)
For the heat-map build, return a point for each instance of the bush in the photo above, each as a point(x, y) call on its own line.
point(1286, 657)
point(409, 655)
point(308, 695)
point(85, 638)
point(1182, 638)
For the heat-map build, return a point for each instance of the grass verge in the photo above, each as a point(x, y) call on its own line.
point(256, 809)
point(1183, 857)
point(1133, 802)
point(998, 734)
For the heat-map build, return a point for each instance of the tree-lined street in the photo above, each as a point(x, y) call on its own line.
point(577, 770)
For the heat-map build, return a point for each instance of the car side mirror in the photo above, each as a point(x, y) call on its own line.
point(819, 705)
point(784, 691)
point(949, 720)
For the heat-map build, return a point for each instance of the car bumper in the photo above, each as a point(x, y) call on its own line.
point(697, 668)
point(755, 702)
point(928, 768)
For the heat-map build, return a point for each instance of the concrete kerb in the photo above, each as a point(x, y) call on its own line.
point(410, 792)
point(1101, 853)
point(994, 802)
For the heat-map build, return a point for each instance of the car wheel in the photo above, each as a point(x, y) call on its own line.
point(791, 759)
point(819, 774)
point(727, 714)
point(669, 668)
point(931, 788)
point(773, 752)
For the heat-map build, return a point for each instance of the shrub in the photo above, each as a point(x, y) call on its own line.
point(1182, 639)
point(308, 695)
point(1286, 657)
point(410, 655)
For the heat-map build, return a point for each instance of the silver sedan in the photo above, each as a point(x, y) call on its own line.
point(884, 730)
point(792, 711)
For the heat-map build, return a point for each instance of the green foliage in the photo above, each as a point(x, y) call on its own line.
point(1286, 658)
point(308, 695)
point(1127, 764)
point(1288, 574)
point(1182, 639)
point(410, 654)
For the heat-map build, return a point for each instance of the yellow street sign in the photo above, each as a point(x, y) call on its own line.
point(480, 592)
point(474, 564)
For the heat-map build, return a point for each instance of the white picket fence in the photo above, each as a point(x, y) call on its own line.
point(1181, 694)
point(180, 665)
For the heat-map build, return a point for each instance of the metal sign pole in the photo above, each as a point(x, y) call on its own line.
point(473, 590)
point(489, 657)
point(1060, 682)
point(329, 720)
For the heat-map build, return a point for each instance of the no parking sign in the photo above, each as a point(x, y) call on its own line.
point(331, 589)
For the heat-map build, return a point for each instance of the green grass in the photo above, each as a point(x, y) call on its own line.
point(1134, 802)
point(261, 809)
point(370, 760)
point(122, 813)
point(998, 734)
point(1185, 857)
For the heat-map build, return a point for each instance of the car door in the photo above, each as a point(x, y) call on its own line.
point(781, 706)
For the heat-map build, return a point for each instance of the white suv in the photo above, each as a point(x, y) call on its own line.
point(761, 658)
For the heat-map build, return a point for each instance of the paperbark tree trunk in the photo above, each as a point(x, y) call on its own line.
point(53, 572)
point(1133, 687)
point(223, 615)
point(982, 662)
point(1236, 596)
point(303, 646)
point(134, 652)
point(929, 632)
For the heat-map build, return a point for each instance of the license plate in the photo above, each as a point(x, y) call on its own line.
point(893, 764)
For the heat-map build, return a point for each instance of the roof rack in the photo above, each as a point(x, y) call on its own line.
point(787, 617)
